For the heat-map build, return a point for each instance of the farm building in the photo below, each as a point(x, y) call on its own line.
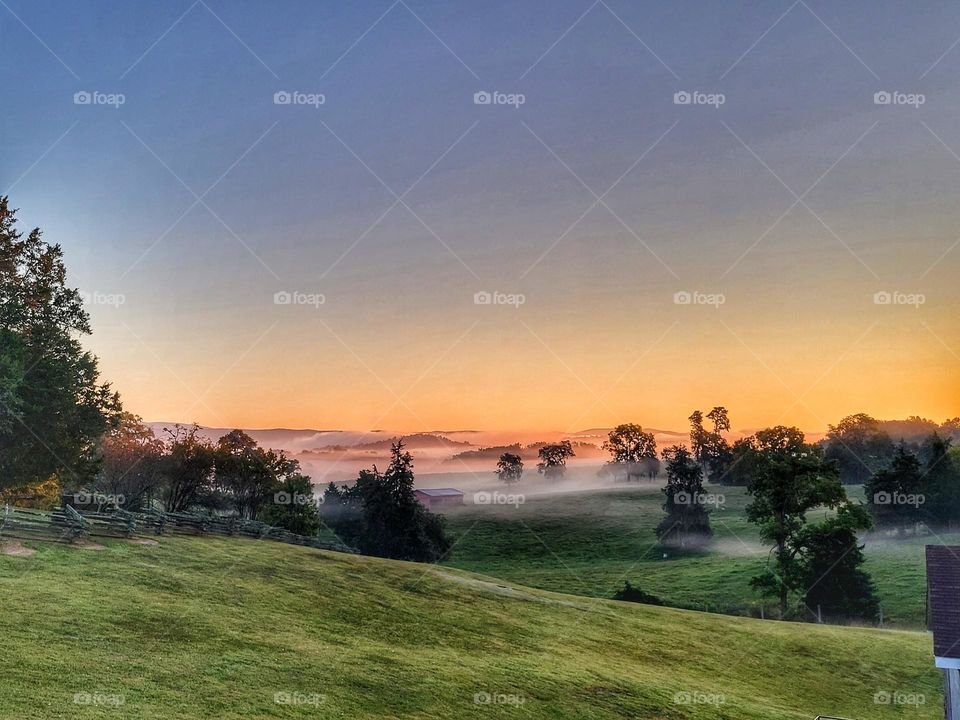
point(433, 498)
point(943, 612)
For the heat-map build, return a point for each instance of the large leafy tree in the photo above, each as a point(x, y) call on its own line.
point(53, 407)
point(553, 458)
point(245, 473)
point(509, 468)
point(131, 463)
point(709, 447)
point(188, 467)
point(294, 506)
point(632, 449)
point(687, 519)
point(792, 478)
point(859, 446)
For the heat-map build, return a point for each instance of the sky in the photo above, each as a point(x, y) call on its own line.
point(784, 244)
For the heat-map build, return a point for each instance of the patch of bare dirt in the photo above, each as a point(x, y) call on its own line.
point(16, 548)
point(143, 541)
point(89, 545)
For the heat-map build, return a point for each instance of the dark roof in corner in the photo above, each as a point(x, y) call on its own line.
point(943, 593)
point(439, 492)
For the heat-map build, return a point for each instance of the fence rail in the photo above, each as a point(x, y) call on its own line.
point(66, 524)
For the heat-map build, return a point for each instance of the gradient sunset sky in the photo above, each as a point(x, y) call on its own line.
point(598, 200)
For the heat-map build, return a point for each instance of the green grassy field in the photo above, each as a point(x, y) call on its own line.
point(589, 542)
point(216, 628)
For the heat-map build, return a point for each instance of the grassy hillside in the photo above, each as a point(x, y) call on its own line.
point(215, 628)
point(588, 543)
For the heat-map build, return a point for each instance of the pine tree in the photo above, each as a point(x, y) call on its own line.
point(687, 520)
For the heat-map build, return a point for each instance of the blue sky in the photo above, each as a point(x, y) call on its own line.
point(291, 196)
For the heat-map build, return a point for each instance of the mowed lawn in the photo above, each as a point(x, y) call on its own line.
point(224, 628)
point(590, 542)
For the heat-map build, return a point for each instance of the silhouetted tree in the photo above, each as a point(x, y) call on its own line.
point(509, 468)
point(553, 458)
point(895, 495)
point(687, 520)
point(859, 447)
point(246, 474)
point(188, 465)
point(710, 448)
point(131, 463)
point(632, 448)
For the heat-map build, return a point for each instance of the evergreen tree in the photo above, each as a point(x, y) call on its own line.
point(895, 495)
point(687, 520)
point(380, 514)
point(53, 408)
point(831, 560)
